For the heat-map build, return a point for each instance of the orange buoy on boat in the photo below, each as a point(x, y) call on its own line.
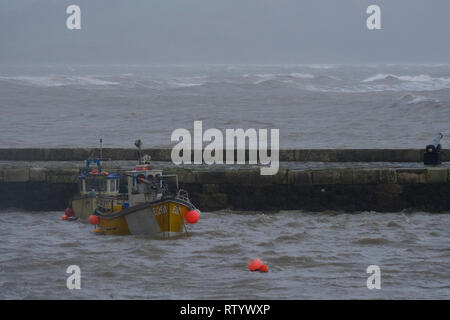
point(257, 265)
point(93, 219)
point(192, 216)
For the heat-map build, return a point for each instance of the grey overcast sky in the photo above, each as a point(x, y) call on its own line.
point(224, 31)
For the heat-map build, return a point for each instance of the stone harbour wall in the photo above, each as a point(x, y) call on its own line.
point(341, 189)
point(303, 155)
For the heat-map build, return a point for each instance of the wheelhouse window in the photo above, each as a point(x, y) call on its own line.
point(96, 183)
point(112, 186)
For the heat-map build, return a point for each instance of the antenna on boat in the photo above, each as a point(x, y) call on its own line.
point(138, 144)
point(101, 148)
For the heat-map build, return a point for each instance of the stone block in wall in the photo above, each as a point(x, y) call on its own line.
point(159, 154)
point(298, 155)
point(366, 176)
point(38, 174)
point(437, 175)
point(374, 176)
point(211, 177)
point(332, 176)
point(251, 177)
point(210, 188)
point(215, 201)
point(389, 189)
point(326, 176)
point(281, 177)
point(346, 175)
point(388, 175)
point(359, 155)
point(403, 155)
point(62, 176)
point(445, 155)
point(311, 155)
point(184, 175)
point(328, 155)
point(389, 197)
point(287, 155)
point(299, 177)
point(16, 175)
point(411, 176)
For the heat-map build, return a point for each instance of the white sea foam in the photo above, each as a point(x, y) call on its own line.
point(420, 99)
point(42, 81)
point(88, 80)
point(379, 77)
point(186, 82)
point(302, 75)
point(264, 77)
point(418, 78)
point(58, 81)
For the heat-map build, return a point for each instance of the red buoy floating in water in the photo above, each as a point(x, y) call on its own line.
point(69, 212)
point(257, 265)
point(93, 219)
point(192, 216)
point(264, 268)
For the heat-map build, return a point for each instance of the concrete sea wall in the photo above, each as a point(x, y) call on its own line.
point(317, 155)
point(349, 189)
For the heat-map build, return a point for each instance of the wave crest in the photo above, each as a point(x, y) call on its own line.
point(418, 78)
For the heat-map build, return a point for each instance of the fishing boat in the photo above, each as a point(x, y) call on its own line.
point(156, 207)
point(153, 204)
point(95, 186)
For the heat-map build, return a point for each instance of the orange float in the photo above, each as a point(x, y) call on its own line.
point(93, 219)
point(192, 216)
point(255, 264)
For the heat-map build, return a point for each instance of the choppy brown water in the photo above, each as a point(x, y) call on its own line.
point(310, 256)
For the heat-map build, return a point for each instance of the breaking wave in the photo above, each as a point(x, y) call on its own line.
point(422, 99)
point(421, 82)
point(419, 78)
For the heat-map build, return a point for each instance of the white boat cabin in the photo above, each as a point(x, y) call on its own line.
point(145, 184)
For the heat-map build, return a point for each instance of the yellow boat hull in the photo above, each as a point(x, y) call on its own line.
point(163, 218)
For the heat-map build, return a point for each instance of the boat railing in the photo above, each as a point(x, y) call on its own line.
point(183, 195)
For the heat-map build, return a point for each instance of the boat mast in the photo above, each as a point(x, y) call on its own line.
point(101, 148)
point(138, 144)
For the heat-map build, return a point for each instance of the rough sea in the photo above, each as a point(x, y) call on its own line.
point(309, 255)
point(314, 106)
